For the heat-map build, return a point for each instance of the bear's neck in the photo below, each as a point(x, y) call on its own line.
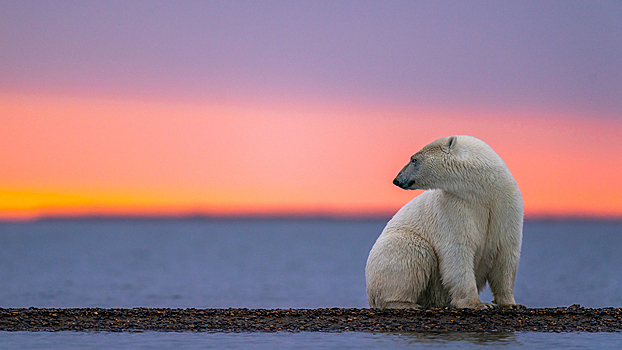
point(488, 193)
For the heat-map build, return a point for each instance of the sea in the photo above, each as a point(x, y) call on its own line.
point(274, 263)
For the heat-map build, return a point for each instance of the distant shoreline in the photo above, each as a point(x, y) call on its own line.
point(561, 319)
point(277, 217)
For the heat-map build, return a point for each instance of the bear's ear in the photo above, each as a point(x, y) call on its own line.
point(450, 145)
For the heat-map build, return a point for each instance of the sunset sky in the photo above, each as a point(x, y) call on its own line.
point(301, 107)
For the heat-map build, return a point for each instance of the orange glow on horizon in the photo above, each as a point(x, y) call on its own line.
point(80, 156)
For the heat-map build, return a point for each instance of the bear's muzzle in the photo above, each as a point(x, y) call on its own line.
point(403, 185)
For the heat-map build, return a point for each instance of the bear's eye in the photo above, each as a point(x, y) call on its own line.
point(413, 160)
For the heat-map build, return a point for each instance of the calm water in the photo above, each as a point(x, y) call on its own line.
point(272, 264)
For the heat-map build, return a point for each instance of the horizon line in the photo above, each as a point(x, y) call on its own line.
point(337, 216)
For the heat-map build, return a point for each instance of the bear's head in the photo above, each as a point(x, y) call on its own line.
point(455, 163)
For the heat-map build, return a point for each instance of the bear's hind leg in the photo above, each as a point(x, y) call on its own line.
point(401, 305)
point(398, 271)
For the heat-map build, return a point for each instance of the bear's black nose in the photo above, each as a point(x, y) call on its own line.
point(396, 183)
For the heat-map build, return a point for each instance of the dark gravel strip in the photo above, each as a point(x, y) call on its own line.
point(562, 319)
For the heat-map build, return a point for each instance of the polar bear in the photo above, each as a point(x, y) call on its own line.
point(441, 248)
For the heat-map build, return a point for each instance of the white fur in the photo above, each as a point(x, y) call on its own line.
point(441, 248)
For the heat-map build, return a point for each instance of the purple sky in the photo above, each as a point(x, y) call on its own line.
point(563, 56)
